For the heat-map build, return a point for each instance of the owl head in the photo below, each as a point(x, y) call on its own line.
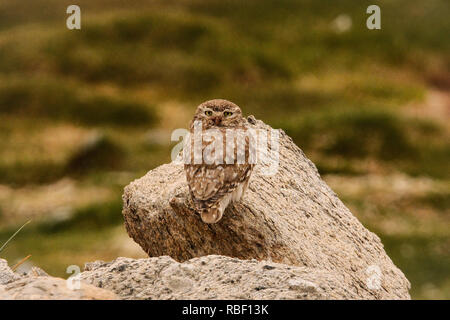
point(218, 113)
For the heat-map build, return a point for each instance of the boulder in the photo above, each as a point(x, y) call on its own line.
point(291, 217)
point(214, 277)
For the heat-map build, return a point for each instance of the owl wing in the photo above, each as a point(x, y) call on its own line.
point(209, 184)
point(204, 181)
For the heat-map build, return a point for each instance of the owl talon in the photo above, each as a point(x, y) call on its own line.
point(211, 216)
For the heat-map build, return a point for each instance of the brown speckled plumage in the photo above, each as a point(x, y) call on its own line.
point(213, 186)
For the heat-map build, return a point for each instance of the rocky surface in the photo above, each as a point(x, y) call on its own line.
point(214, 277)
point(40, 287)
point(6, 274)
point(208, 277)
point(291, 217)
point(50, 288)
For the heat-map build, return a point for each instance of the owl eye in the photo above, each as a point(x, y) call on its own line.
point(227, 113)
point(208, 112)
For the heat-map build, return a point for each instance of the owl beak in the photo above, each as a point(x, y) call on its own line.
point(217, 120)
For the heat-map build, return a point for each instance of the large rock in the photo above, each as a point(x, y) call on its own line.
point(292, 217)
point(214, 277)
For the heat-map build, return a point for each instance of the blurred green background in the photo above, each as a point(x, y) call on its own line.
point(85, 112)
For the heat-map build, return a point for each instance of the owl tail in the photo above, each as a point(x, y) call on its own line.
point(211, 215)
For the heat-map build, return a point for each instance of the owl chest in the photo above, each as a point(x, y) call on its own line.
point(218, 147)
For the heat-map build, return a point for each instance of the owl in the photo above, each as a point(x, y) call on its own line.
point(213, 185)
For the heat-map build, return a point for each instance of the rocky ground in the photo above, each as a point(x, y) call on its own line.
point(209, 277)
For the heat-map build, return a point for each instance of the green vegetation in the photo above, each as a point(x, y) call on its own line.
point(415, 146)
point(94, 108)
point(50, 99)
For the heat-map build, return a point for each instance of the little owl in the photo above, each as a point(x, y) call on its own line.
point(214, 184)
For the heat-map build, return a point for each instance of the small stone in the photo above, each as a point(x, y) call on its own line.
point(267, 267)
point(300, 284)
